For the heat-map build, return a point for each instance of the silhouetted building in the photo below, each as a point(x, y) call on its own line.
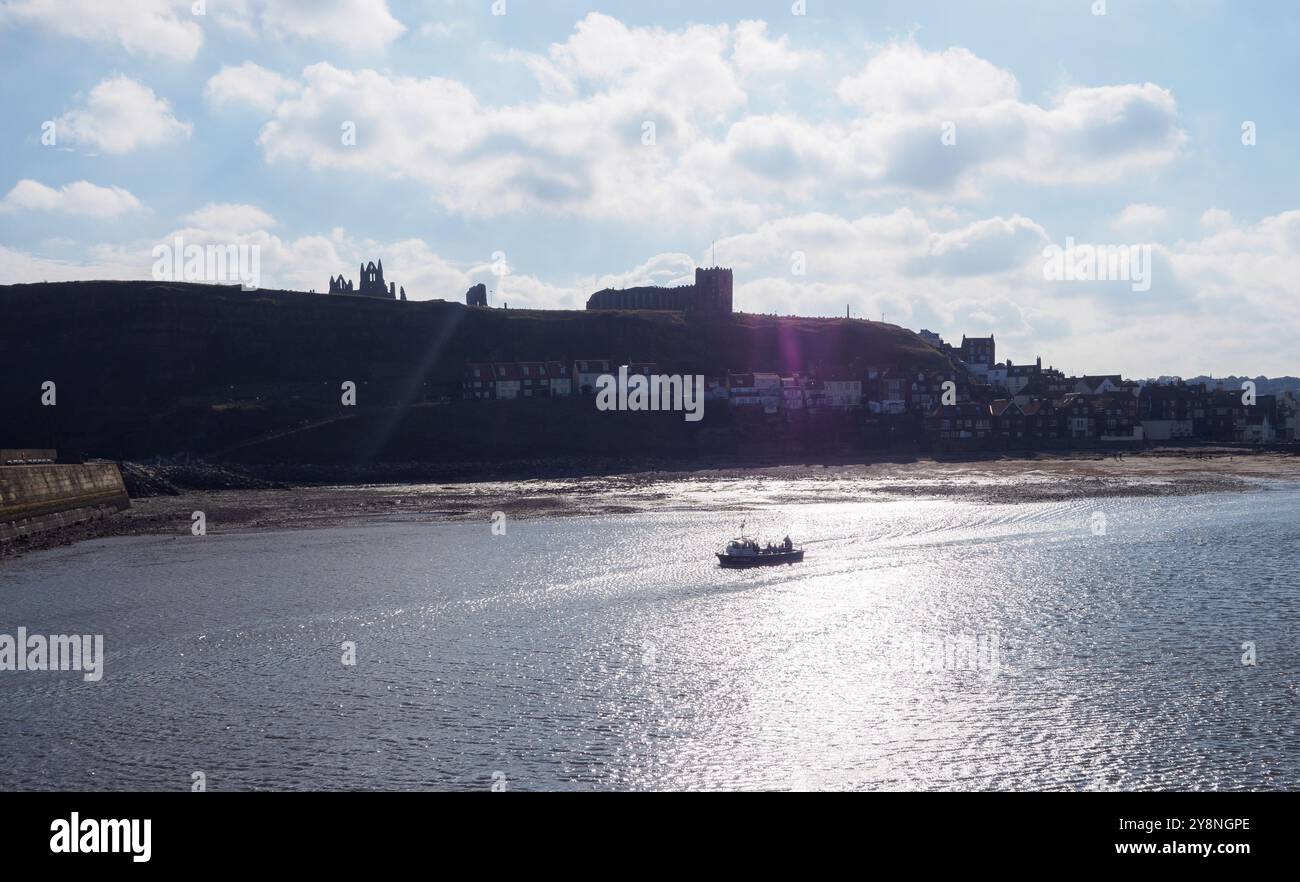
point(371, 284)
point(477, 295)
point(710, 293)
point(978, 351)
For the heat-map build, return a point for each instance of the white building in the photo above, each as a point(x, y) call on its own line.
point(509, 380)
point(585, 374)
point(791, 394)
point(559, 380)
point(769, 391)
point(742, 391)
point(843, 393)
point(1259, 430)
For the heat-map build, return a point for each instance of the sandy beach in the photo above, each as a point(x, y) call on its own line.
point(1007, 480)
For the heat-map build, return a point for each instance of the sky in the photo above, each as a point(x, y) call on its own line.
point(912, 161)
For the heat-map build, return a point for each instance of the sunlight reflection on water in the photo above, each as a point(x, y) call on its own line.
point(612, 652)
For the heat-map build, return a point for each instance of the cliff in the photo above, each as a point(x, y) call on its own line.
point(150, 368)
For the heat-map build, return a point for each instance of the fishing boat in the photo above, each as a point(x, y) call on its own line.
point(744, 551)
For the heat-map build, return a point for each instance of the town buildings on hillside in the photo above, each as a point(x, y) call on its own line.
point(978, 404)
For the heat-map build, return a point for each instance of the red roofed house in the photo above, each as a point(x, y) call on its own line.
point(559, 382)
point(479, 381)
point(534, 382)
point(509, 379)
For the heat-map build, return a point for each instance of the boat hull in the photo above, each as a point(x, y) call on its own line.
point(737, 562)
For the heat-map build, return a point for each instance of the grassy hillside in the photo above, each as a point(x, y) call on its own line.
point(145, 368)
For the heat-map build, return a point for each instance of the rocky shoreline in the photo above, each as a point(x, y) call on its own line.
point(175, 478)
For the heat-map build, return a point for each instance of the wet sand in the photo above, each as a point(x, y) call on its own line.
point(988, 481)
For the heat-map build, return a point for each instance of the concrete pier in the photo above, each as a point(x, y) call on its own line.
point(35, 498)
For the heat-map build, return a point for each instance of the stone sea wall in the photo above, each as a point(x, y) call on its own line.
point(35, 498)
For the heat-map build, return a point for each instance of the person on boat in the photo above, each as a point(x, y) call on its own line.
point(788, 544)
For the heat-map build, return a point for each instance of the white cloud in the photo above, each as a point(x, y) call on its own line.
point(553, 82)
point(576, 157)
point(755, 53)
point(895, 249)
point(21, 267)
point(904, 78)
point(169, 29)
point(1140, 218)
point(992, 245)
point(229, 216)
point(80, 199)
point(1237, 266)
point(1216, 219)
point(667, 270)
point(584, 146)
point(1089, 136)
point(579, 150)
point(443, 30)
point(120, 115)
point(674, 64)
point(359, 24)
point(249, 84)
point(154, 28)
point(362, 25)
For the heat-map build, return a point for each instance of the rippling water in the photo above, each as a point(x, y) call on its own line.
point(612, 652)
